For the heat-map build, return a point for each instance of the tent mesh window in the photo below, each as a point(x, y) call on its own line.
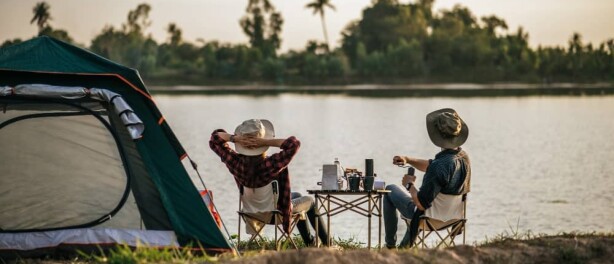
point(62, 166)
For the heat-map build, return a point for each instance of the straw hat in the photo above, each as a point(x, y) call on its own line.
point(446, 129)
point(261, 128)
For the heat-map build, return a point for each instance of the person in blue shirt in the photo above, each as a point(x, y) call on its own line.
point(449, 173)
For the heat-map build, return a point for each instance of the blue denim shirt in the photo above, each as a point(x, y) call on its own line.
point(448, 173)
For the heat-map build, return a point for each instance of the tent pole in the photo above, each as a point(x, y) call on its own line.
point(195, 167)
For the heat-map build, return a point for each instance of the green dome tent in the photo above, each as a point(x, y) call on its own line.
point(88, 159)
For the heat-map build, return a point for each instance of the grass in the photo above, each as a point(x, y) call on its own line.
point(564, 248)
point(269, 243)
point(509, 246)
point(125, 254)
point(143, 254)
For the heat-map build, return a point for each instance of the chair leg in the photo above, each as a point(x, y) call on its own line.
point(460, 228)
point(285, 237)
point(292, 226)
point(423, 240)
point(277, 241)
point(239, 234)
point(281, 237)
point(449, 239)
point(464, 231)
point(433, 229)
point(256, 237)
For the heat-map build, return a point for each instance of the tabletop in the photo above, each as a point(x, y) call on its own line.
point(347, 192)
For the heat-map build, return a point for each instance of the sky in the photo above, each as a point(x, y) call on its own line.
point(548, 22)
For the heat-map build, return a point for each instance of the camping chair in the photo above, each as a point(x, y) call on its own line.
point(446, 218)
point(255, 220)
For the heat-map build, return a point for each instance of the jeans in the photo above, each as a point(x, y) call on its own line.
point(400, 200)
point(306, 203)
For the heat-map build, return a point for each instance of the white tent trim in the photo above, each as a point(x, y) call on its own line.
point(87, 236)
point(132, 122)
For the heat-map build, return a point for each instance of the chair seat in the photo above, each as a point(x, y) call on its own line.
point(445, 218)
point(260, 211)
point(432, 224)
point(268, 216)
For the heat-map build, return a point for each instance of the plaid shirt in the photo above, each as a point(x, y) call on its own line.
point(274, 167)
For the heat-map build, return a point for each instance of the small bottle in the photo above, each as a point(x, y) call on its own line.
point(339, 168)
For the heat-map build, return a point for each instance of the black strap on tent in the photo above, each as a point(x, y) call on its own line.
point(120, 149)
point(53, 114)
point(113, 98)
point(124, 112)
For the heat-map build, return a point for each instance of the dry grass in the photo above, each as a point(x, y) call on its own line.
point(505, 248)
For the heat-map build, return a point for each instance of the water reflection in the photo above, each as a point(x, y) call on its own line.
point(539, 163)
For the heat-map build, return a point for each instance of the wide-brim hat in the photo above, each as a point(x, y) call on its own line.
point(446, 129)
point(261, 128)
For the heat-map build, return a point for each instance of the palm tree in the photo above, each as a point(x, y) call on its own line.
point(41, 15)
point(174, 33)
point(318, 7)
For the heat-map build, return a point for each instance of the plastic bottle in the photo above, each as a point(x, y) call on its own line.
point(339, 168)
point(340, 174)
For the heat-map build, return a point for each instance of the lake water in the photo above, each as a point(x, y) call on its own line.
point(540, 164)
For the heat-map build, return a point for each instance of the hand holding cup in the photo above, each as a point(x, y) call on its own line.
point(398, 160)
point(407, 179)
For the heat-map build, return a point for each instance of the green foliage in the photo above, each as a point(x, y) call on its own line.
point(56, 33)
point(350, 243)
point(273, 69)
point(129, 45)
point(41, 15)
point(409, 41)
point(138, 19)
point(391, 42)
point(263, 34)
point(268, 243)
point(10, 42)
point(125, 254)
point(319, 7)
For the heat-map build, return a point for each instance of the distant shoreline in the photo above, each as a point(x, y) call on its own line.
point(408, 90)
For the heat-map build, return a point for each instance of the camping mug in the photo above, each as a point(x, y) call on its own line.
point(368, 183)
point(354, 183)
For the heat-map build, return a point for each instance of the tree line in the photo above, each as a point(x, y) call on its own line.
point(390, 43)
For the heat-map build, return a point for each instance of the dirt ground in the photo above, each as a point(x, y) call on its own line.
point(553, 249)
point(569, 248)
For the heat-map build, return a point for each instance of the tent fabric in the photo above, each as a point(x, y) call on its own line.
point(130, 120)
point(153, 214)
point(5, 90)
point(87, 236)
point(49, 56)
point(45, 54)
point(59, 170)
point(44, 60)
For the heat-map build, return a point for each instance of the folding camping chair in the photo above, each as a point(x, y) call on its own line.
point(255, 220)
point(446, 214)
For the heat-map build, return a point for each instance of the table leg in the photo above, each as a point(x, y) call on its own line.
point(379, 237)
point(317, 218)
point(369, 216)
point(328, 219)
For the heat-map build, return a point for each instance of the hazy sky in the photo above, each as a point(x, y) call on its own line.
point(549, 22)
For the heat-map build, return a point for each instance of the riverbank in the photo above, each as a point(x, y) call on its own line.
point(410, 90)
point(567, 248)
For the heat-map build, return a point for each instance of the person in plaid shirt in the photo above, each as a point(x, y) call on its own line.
point(252, 168)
